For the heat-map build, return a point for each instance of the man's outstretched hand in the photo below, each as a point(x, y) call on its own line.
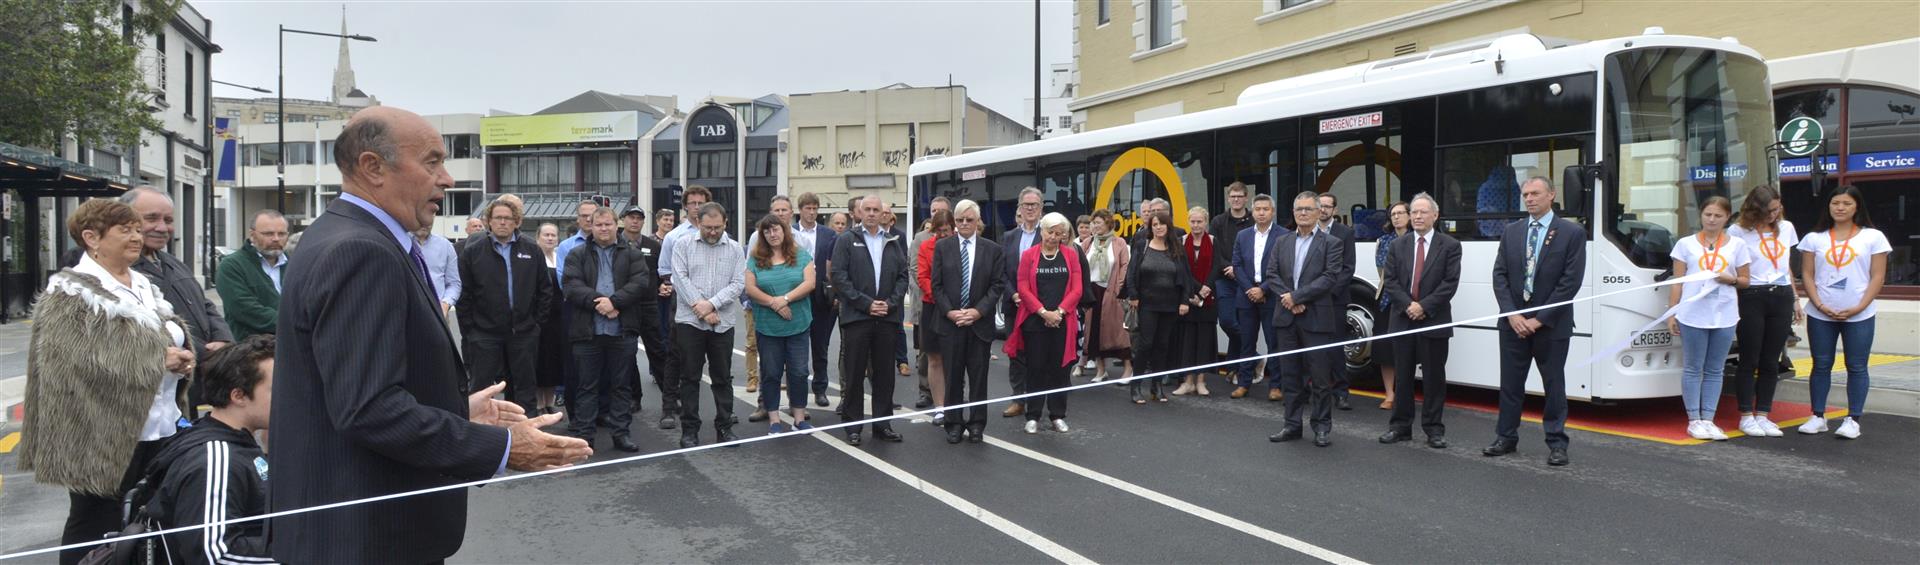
point(482, 408)
point(535, 450)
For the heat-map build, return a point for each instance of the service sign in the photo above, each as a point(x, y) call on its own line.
point(1357, 121)
point(544, 129)
point(712, 124)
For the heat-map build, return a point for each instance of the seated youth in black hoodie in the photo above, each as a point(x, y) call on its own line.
point(214, 470)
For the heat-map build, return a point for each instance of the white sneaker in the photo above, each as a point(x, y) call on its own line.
point(939, 418)
point(1849, 428)
point(1814, 425)
point(1750, 425)
point(1714, 431)
point(1773, 430)
point(1060, 425)
point(1033, 426)
point(1697, 429)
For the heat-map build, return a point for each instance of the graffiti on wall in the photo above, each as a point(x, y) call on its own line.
point(812, 163)
point(852, 159)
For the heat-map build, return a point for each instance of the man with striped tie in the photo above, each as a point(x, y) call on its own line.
point(1542, 261)
point(966, 289)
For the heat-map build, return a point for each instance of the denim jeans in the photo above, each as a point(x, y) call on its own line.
point(784, 359)
point(603, 361)
point(1703, 364)
point(1858, 336)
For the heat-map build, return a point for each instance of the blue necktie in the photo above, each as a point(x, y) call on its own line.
point(966, 271)
point(1533, 242)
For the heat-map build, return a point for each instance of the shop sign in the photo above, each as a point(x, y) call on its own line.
point(559, 128)
point(1801, 136)
point(712, 124)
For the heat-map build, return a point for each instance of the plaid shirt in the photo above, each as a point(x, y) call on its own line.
point(715, 272)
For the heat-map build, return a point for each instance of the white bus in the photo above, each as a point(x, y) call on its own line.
point(1649, 126)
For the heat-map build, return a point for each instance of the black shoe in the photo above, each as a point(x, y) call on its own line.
point(1322, 439)
point(586, 438)
point(758, 415)
point(724, 434)
point(923, 403)
point(669, 422)
point(625, 444)
point(635, 409)
point(1557, 457)
point(888, 435)
point(1289, 434)
point(853, 439)
point(1498, 448)
point(820, 399)
point(1395, 436)
point(955, 434)
point(1437, 442)
point(689, 438)
point(1341, 403)
point(976, 435)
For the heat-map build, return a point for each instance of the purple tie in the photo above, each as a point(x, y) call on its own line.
point(421, 261)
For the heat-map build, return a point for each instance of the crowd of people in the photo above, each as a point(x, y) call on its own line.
point(375, 397)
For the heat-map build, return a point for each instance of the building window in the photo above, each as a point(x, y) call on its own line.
point(1278, 5)
point(711, 164)
point(1044, 123)
point(189, 83)
point(465, 197)
point(663, 165)
point(326, 152)
point(270, 117)
point(1066, 121)
point(260, 154)
point(1159, 23)
point(300, 153)
point(233, 113)
point(295, 118)
point(463, 146)
point(607, 172)
point(160, 64)
point(1106, 11)
point(538, 173)
point(761, 162)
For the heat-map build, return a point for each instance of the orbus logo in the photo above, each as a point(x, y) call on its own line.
point(1160, 167)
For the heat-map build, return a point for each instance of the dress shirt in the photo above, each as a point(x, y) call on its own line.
point(273, 269)
point(711, 271)
point(443, 265)
point(1300, 247)
point(1260, 252)
point(876, 251)
point(505, 249)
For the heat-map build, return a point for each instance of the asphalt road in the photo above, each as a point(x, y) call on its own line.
point(1193, 481)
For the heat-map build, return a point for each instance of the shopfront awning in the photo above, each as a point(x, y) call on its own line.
point(34, 173)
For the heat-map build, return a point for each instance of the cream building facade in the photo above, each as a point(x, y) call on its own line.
point(860, 142)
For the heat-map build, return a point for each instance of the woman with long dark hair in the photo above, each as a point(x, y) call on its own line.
point(1767, 315)
point(1159, 286)
point(1705, 325)
point(1843, 264)
point(779, 285)
point(1399, 222)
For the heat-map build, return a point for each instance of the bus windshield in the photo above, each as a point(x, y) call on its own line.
point(1685, 124)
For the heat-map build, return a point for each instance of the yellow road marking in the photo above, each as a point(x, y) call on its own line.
point(7, 443)
point(1803, 366)
point(1831, 415)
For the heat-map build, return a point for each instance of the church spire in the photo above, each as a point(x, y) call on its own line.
point(343, 83)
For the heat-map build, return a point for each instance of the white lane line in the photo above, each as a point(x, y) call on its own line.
point(1151, 495)
point(997, 522)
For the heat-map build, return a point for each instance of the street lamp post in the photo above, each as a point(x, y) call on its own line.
point(280, 118)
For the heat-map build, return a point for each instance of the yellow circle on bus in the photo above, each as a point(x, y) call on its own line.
point(1143, 158)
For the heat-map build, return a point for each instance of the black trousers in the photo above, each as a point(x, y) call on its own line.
point(698, 349)
point(1306, 379)
point(605, 362)
point(1154, 347)
point(1016, 367)
point(1045, 352)
point(513, 357)
point(868, 348)
point(824, 316)
point(91, 517)
point(1429, 353)
point(1766, 316)
point(656, 358)
point(664, 360)
point(1517, 354)
point(966, 366)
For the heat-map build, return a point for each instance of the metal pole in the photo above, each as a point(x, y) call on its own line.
point(1036, 69)
point(280, 120)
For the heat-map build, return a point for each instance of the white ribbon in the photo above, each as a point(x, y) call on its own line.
point(1704, 275)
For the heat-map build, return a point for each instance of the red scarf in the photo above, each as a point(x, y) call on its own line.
point(1200, 261)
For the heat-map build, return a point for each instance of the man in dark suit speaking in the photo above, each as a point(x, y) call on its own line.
point(1422, 275)
point(367, 396)
point(1542, 260)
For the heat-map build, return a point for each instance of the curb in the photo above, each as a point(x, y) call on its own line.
point(1890, 401)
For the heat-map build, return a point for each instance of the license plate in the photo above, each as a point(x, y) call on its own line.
point(1653, 338)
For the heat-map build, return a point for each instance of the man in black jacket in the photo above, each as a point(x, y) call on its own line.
point(1026, 233)
point(505, 291)
point(966, 288)
point(609, 286)
point(176, 282)
point(1226, 231)
point(1329, 211)
point(1420, 279)
point(219, 450)
point(871, 276)
point(633, 231)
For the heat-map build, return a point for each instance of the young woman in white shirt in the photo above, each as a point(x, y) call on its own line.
point(1706, 324)
point(1843, 264)
point(1767, 314)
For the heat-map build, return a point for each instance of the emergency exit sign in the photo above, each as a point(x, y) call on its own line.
point(1357, 121)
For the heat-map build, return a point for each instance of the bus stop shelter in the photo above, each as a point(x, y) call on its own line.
point(26, 176)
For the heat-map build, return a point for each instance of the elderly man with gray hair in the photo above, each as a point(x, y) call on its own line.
point(176, 282)
point(249, 279)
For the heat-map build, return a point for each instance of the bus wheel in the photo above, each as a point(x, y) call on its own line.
point(1360, 317)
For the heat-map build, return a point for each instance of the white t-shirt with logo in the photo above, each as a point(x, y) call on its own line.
point(1841, 275)
point(1720, 308)
point(1772, 254)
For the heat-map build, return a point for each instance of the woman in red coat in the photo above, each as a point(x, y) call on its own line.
point(1046, 319)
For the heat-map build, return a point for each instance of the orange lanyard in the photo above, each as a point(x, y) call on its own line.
point(1771, 247)
point(1840, 254)
point(1710, 257)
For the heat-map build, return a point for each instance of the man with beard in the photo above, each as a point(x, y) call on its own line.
point(249, 279)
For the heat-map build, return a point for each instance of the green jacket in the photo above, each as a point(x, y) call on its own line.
point(253, 306)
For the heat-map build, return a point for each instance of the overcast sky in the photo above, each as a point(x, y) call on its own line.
point(470, 56)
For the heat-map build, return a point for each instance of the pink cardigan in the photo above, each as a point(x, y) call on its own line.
point(1030, 301)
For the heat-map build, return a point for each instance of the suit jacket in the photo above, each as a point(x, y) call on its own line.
point(1009, 243)
point(368, 403)
point(635, 290)
point(1322, 280)
point(189, 301)
point(1243, 265)
point(484, 307)
point(853, 276)
point(1557, 273)
point(823, 242)
point(1345, 233)
point(253, 305)
point(1439, 280)
point(985, 292)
